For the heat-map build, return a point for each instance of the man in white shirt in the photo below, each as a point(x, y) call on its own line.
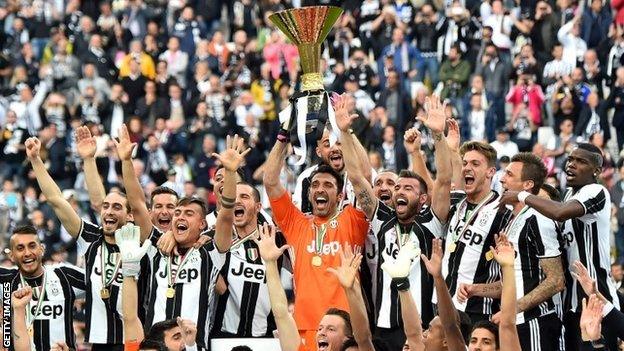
point(502, 144)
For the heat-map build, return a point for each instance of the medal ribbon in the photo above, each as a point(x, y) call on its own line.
point(319, 234)
point(473, 215)
point(30, 318)
point(170, 279)
point(402, 238)
point(104, 253)
point(511, 227)
point(240, 241)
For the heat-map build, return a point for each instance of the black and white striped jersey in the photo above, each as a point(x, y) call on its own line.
point(467, 257)
point(586, 239)
point(383, 237)
point(193, 285)
point(245, 309)
point(52, 318)
point(534, 237)
point(104, 323)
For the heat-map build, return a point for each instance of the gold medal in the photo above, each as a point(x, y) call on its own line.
point(170, 293)
point(104, 293)
point(31, 332)
point(317, 261)
point(489, 255)
point(452, 247)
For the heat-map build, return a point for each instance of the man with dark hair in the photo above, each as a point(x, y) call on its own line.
point(585, 216)
point(211, 218)
point(315, 239)
point(49, 313)
point(181, 284)
point(95, 243)
point(475, 220)
point(537, 281)
point(162, 204)
point(408, 220)
point(241, 313)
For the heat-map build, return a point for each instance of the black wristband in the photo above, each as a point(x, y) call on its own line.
point(401, 284)
point(227, 199)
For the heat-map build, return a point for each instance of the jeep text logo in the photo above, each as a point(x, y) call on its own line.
point(254, 273)
point(184, 276)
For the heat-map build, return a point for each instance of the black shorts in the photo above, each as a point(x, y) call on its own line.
point(541, 334)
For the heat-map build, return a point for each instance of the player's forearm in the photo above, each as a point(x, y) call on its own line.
point(363, 190)
point(359, 319)
point(412, 324)
point(508, 332)
point(362, 156)
point(557, 211)
point(442, 157)
point(272, 170)
point(136, 198)
point(448, 316)
point(419, 166)
point(457, 178)
point(491, 290)
point(133, 329)
point(552, 284)
point(225, 218)
point(94, 184)
point(286, 327)
point(21, 339)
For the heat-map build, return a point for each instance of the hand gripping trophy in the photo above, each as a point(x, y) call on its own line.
point(305, 119)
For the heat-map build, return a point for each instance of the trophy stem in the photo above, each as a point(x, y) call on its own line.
point(311, 81)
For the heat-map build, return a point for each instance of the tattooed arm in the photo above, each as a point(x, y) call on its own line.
point(553, 283)
point(363, 190)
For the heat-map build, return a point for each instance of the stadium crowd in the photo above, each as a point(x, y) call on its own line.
point(458, 120)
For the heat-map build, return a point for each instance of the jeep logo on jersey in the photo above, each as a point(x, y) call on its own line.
point(184, 276)
point(472, 237)
point(330, 248)
point(371, 251)
point(392, 250)
point(48, 311)
point(109, 274)
point(254, 273)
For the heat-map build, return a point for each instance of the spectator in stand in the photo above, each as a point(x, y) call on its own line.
point(544, 32)
point(392, 151)
point(569, 36)
point(501, 23)
point(476, 123)
point(617, 199)
point(527, 94)
point(405, 58)
point(593, 119)
point(496, 76)
point(396, 102)
point(616, 101)
point(595, 23)
point(454, 74)
point(12, 138)
point(503, 145)
point(425, 31)
point(177, 61)
point(145, 61)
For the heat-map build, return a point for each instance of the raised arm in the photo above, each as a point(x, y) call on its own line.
point(508, 333)
point(552, 284)
point(134, 191)
point(557, 211)
point(128, 240)
point(63, 210)
point(446, 310)
point(85, 143)
point(435, 120)
point(231, 158)
point(347, 276)
point(272, 170)
point(412, 142)
point(453, 140)
point(19, 301)
point(399, 271)
point(362, 186)
point(270, 253)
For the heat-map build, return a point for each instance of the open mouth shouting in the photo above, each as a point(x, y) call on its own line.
point(239, 212)
point(321, 201)
point(323, 345)
point(385, 195)
point(29, 262)
point(400, 204)
point(335, 159)
point(110, 222)
point(164, 222)
point(181, 227)
point(469, 179)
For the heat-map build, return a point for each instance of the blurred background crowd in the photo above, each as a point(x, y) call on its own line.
point(524, 75)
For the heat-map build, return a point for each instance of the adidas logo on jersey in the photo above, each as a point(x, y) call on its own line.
point(253, 274)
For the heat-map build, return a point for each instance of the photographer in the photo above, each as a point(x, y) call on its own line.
point(527, 93)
